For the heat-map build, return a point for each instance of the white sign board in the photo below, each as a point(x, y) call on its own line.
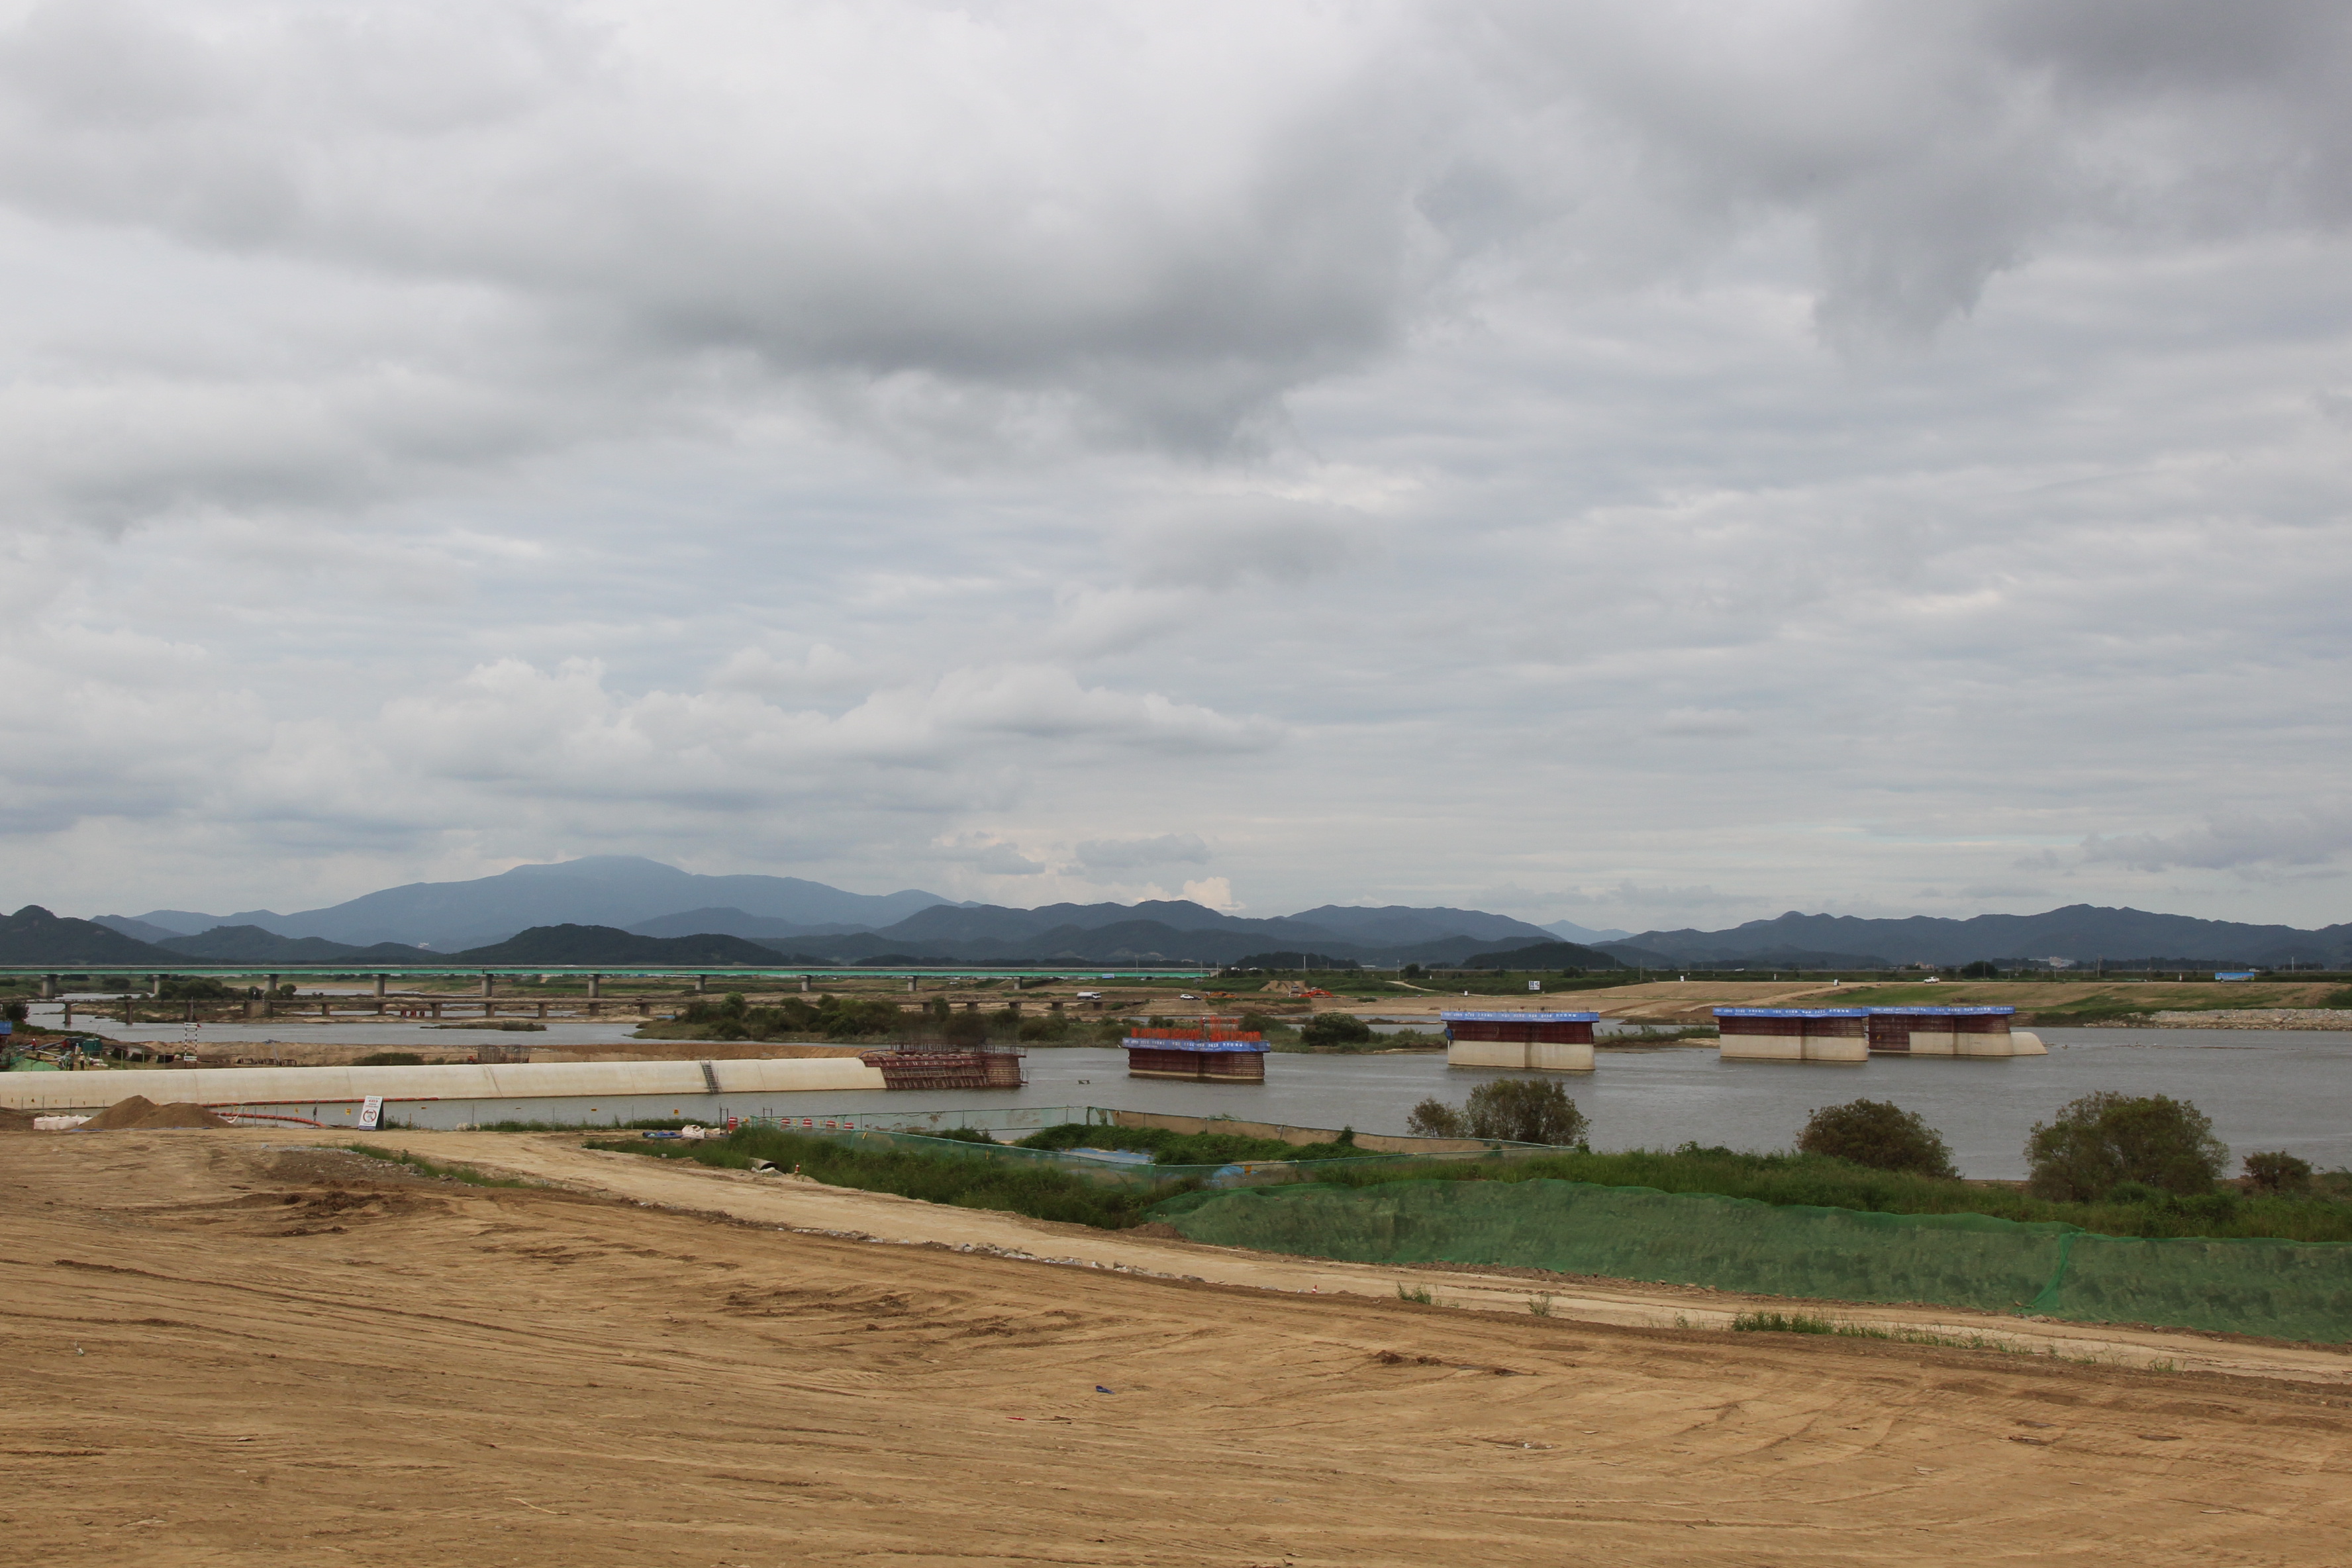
point(1535, 984)
point(370, 1110)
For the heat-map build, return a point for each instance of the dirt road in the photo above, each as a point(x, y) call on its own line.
point(224, 1349)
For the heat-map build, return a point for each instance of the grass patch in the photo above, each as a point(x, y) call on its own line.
point(425, 1167)
point(2324, 1216)
point(1167, 1148)
point(1782, 1323)
point(1041, 1191)
point(1420, 1293)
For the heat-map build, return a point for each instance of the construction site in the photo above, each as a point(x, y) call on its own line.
point(231, 1345)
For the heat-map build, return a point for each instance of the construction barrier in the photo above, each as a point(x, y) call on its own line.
point(2296, 1291)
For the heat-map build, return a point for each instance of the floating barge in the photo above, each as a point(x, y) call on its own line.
point(1214, 1052)
point(1543, 1042)
point(1950, 1031)
point(1794, 1034)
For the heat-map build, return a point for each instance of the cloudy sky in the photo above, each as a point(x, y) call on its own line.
point(1641, 463)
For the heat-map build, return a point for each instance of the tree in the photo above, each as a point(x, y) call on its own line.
point(1982, 968)
point(1524, 1111)
point(2106, 1139)
point(1881, 1136)
point(1435, 1118)
point(2278, 1173)
point(1335, 1029)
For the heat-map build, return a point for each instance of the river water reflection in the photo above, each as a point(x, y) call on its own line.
point(2264, 1089)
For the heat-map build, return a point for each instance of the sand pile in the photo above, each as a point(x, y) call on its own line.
point(180, 1114)
point(14, 1121)
point(141, 1113)
point(121, 1113)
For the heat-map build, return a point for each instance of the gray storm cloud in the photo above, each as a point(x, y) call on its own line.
point(442, 435)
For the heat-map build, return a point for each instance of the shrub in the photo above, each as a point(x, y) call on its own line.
point(1881, 1136)
point(1435, 1118)
point(1335, 1029)
point(1524, 1111)
point(2105, 1139)
point(2278, 1172)
point(389, 1059)
point(16, 1012)
point(1982, 968)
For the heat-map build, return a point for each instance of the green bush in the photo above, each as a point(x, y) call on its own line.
point(2278, 1172)
point(389, 1059)
point(1525, 1110)
point(1433, 1118)
point(1335, 1029)
point(2106, 1139)
point(1874, 1133)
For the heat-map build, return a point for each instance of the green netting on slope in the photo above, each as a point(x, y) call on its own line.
point(2288, 1289)
point(1639, 1233)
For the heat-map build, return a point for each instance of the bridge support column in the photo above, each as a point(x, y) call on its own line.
point(155, 986)
point(542, 1009)
point(804, 985)
point(48, 987)
point(595, 985)
point(270, 996)
point(66, 1022)
point(701, 985)
point(489, 983)
point(910, 985)
point(436, 1009)
point(378, 987)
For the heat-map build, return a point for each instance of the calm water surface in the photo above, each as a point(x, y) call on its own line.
point(2281, 1090)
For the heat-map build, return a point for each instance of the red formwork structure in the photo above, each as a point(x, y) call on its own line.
point(1950, 1031)
point(1792, 1034)
point(933, 1067)
point(1217, 1050)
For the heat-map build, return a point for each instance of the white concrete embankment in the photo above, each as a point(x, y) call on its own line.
point(479, 1081)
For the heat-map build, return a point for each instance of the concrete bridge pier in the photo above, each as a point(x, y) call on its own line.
point(48, 987)
point(270, 996)
point(490, 984)
point(155, 987)
point(910, 985)
point(595, 986)
point(701, 985)
point(378, 987)
point(804, 985)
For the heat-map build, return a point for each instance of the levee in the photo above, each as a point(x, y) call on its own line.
point(487, 1081)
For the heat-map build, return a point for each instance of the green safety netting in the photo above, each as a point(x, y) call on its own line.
point(1143, 1173)
point(2287, 1289)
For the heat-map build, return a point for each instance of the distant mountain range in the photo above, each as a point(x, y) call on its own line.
point(788, 919)
point(2079, 933)
point(601, 890)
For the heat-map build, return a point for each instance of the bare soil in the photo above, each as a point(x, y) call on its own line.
point(222, 1349)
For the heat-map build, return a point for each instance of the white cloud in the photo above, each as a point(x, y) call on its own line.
point(1129, 854)
point(1705, 458)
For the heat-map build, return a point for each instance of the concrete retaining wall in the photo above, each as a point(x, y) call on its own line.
point(487, 1080)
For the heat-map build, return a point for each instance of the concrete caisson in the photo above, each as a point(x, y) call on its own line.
point(1794, 1034)
point(1950, 1031)
point(1539, 1042)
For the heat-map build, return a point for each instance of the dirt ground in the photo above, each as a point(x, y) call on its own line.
point(228, 1347)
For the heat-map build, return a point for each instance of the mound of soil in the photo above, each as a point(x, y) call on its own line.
point(121, 1113)
point(13, 1121)
point(139, 1112)
point(180, 1114)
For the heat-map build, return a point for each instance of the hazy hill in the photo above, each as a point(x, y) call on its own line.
point(569, 944)
point(251, 944)
point(603, 890)
point(736, 922)
point(34, 935)
point(1543, 955)
point(2083, 933)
